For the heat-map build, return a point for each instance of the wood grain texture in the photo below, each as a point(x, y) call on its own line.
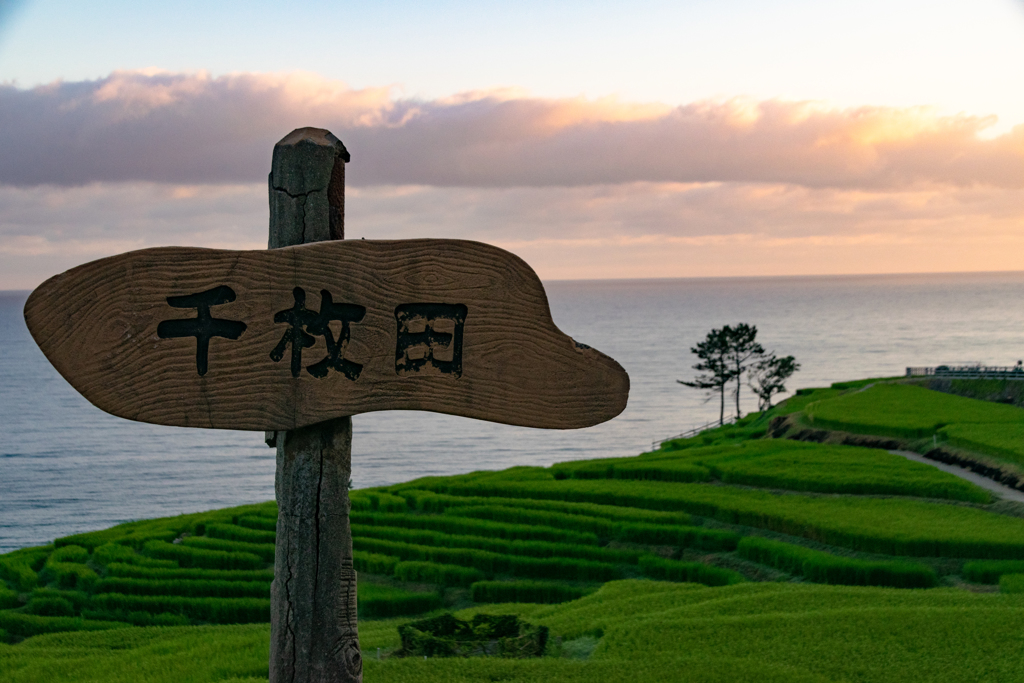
point(98, 325)
point(307, 188)
point(314, 635)
point(313, 627)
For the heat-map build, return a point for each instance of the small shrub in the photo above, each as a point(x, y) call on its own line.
point(504, 635)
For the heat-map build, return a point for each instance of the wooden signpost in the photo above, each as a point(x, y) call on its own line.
point(297, 339)
point(290, 337)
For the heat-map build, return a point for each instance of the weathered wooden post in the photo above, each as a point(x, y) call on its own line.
point(313, 635)
point(294, 340)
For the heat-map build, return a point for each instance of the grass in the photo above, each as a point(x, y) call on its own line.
point(792, 465)
point(904, 411)
point(430, 501)
point(968, 642)
point(642, 630)
point(840, 469)
point(888, 526)
point(183, 655)
point(990, 571)
point(390, 529)
point(577, 525)
point(1011, 583)
point(525, 591)
point(822, 567)
point(701, 530)
point(1004, 441)
point(913, 412)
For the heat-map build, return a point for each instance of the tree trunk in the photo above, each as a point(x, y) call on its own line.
point(739, 382)
point(313, 630)
point(721, 406)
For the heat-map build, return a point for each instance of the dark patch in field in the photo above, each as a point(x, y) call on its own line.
point(998, 474)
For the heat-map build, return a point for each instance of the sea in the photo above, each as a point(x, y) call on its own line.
point(67, 467)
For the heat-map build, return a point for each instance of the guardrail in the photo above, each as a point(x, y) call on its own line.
point(655, 445)
point(1013, 372)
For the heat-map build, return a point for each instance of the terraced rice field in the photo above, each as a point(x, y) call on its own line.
point(904, 411)
point(723, 540)
point(718, 515)
point(627, 630)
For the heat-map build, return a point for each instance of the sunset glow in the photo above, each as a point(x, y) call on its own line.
point(636, 144)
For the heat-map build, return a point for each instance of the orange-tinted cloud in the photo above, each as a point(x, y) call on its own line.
point(580, 188)
point(192, 128)
point(599, 231)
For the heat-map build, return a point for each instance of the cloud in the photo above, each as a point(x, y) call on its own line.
point(196, 129)
point(633, 230)
point(579, 188)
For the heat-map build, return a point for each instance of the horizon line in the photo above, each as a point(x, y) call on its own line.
point(798, 276)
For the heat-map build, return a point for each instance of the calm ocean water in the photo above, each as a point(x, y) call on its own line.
point(66, 467)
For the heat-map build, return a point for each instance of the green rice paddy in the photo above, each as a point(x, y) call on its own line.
point(724, 557)
point(906, 411)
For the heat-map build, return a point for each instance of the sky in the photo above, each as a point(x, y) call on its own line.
point(594, 139)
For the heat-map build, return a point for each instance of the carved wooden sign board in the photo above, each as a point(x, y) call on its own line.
point(284, 338)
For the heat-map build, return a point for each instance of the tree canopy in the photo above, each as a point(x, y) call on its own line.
point(714, 369)
point(727, 354)
point(768, 377)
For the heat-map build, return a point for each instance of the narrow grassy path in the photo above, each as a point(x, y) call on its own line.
point(1004, 492)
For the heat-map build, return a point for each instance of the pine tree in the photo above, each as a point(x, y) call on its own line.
point(742, 349)
point(714, 367)
point(768, 377)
